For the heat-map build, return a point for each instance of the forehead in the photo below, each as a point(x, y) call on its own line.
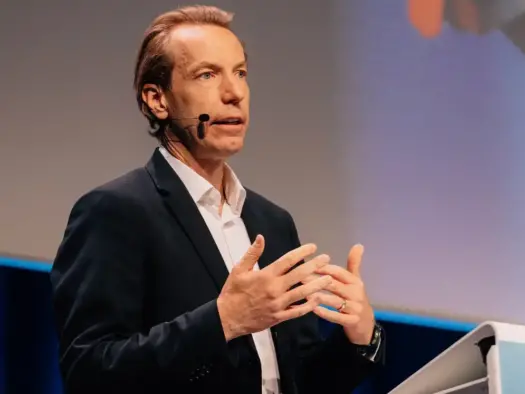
point(191, 44)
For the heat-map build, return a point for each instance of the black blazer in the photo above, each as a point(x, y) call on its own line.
point(135, 284)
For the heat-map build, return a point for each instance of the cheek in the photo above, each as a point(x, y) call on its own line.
point(247, 97)
point(191, 102)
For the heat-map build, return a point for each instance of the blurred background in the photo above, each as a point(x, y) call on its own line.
point(397, 124)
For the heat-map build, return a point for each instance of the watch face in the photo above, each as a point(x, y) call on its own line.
point(377, 335)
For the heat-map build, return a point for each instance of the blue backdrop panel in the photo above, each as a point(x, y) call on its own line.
point(28, 343)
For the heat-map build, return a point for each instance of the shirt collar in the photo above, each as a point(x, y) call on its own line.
point(202, 191)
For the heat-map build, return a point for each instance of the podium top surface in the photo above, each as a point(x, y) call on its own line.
point(466, 362)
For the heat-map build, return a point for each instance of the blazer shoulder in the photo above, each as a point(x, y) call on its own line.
point(123, 192)
point(268, 207)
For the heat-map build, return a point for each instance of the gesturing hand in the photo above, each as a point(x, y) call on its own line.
point(254, 300)
point(347, 295)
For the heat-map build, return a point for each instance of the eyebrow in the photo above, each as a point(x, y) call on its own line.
point(213, 66)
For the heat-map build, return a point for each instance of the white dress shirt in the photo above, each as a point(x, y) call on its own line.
point(230, 235)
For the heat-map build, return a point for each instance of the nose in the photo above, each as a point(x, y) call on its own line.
point(233, 89)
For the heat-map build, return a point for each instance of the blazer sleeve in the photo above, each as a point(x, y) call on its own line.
point(98, 281)
point(328, 364)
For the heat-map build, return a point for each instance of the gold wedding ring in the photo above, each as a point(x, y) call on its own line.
point(342, 307)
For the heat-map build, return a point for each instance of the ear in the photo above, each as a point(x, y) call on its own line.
point(155, 99)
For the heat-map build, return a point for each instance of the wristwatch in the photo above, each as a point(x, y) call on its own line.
point(370, 351)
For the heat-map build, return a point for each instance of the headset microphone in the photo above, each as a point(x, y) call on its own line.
point(203, 118)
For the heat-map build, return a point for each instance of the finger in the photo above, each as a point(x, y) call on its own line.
point(296, 311)
point(304, 270)
point(335, 302)
point(355, 256)
point(290, 259)
point(327, 299)
point(309, 278)
point(339, 273)
point(348, 292)
point(342, 319)
point(302, 292)
point(335, 287)
point(252, 255)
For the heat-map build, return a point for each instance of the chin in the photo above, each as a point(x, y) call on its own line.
point(224, 148)
point(231, 147)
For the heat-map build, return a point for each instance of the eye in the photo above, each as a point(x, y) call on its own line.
point(206, 75)
point(242, 73)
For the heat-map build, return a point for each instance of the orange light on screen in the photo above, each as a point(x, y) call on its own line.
point(426, 16)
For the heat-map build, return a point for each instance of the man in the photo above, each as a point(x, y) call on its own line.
point(175, 278)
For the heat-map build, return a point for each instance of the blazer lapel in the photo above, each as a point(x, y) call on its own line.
point(186, 212)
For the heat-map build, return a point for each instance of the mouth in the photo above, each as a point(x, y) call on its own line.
point(228, 121)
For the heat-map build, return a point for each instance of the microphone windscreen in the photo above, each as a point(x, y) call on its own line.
point(204, 117)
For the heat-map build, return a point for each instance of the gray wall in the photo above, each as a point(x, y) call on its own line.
point(68, 119)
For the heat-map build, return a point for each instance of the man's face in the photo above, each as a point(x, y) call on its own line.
point(210, 77)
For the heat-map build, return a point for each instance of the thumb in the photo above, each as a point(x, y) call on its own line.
point(355, 257)
point(252, 255)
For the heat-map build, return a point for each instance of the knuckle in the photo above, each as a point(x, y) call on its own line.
point(305, 291)
point(265, 278)
point(300, 253)
point(322, 260)
point(250, 254)
point(300, 312)
point(323, 283)
point(359, 295)
point(293, 256)
point(316, 299)
point(237, 278)
point(311, 265)
point(280, 285)
point(282, 264)
point(274, 308)
point(314, 288)
point(272, 318)
point(237, 269)
point(272, 292)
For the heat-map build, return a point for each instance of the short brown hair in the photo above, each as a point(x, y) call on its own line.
point(154, 65)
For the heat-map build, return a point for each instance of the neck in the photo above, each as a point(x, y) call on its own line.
point(211, 170)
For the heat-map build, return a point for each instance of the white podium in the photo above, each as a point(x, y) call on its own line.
point(489, 360)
